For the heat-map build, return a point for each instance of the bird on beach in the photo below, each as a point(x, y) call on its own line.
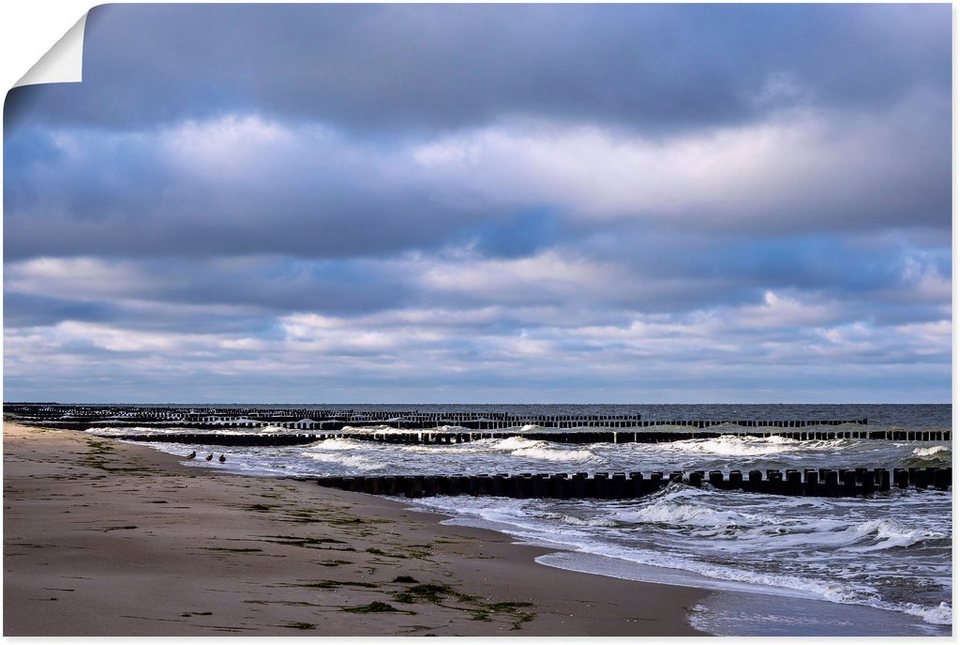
point(210, 457)
point(222, 459)
point(192, 455)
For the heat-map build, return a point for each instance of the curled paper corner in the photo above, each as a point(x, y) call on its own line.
point(63, 63)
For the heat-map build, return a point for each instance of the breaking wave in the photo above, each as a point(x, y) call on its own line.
point(746, 446)
point(540, 450)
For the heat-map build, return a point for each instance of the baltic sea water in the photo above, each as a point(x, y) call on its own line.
point(778, 565)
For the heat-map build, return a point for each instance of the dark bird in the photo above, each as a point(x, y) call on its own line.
point(210, 457)
point(222, 459)
point(192, 455)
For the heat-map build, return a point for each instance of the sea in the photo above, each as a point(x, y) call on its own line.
point(772, 565)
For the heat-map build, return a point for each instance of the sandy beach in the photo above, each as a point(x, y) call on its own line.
point(105, 538)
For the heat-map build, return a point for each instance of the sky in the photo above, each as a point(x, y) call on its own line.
point(485, 204)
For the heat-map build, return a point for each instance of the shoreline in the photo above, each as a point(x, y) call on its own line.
point(107, 538)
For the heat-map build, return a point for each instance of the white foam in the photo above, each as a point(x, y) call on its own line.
point(685, 508)
point(721, 574)
point(345, 452)
point(334, 444)
point(113, 431)
point(110, 431)
point(372, 429)
point(543, 450)
point(931, 451)
point(751, 614)
point(511, 443)
point(942, 614)
point(678, 514)
point(746, 446)
point(573, 520)
point(345, 459)
point(756, 532)
point(891, 534)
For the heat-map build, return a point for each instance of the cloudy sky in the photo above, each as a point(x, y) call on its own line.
point(646, 203)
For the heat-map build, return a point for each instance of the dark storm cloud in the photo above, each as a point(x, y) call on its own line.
point(394, 67)
point(37, 310)
point(129, 195)
point(235, 186)
point(42, 291)
point(390, 77)
point(838, 264)
point(198, 226)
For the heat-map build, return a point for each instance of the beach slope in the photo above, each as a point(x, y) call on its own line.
point(105, 538)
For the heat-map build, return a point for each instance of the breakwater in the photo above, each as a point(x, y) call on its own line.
point(573, 437)
point(84, 417)
point(857, 482)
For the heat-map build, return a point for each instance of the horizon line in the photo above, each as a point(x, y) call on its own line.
point(408, 403)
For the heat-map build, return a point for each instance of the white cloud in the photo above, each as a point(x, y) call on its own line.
point(929, 338)
point(805, 165)
point(549, 274)
point(924, 282)
point(81, 278)
point(778, 311)
point(116, 339)
point(441, 345)
point(231, 145)
point(316, 334)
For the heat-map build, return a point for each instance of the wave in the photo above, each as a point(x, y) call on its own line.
point(891, 534)
point(942, 614)
point(213, 430)
point(335, 444)
point(115, 431)
point(835, 590)
point(833, 558)
point(573, 520)
point(930, 456)
point(746, 446)
point(371, 429)
point(349, 453)
point(540, 450)
point(931, 451)
point(173, 432)
point(678, 506)
point(516, 520)
point(708, 514)
point(351, 461)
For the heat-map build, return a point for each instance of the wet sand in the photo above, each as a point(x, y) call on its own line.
point(106, 538)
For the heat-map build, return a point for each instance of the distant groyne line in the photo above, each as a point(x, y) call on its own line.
point(571, 437)
point(858, 482)
point(306, 425)
point(84, 417)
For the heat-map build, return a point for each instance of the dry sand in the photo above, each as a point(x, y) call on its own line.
point(105, 538)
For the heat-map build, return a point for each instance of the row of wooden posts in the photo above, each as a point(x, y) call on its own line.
point(305, 418)
point(580, 437)
point(858, 482)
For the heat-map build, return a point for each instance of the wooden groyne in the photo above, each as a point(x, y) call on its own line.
point(302, 425)
point(84, 417)
point(858, 482)
point(222, 439)
point(573, 437)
